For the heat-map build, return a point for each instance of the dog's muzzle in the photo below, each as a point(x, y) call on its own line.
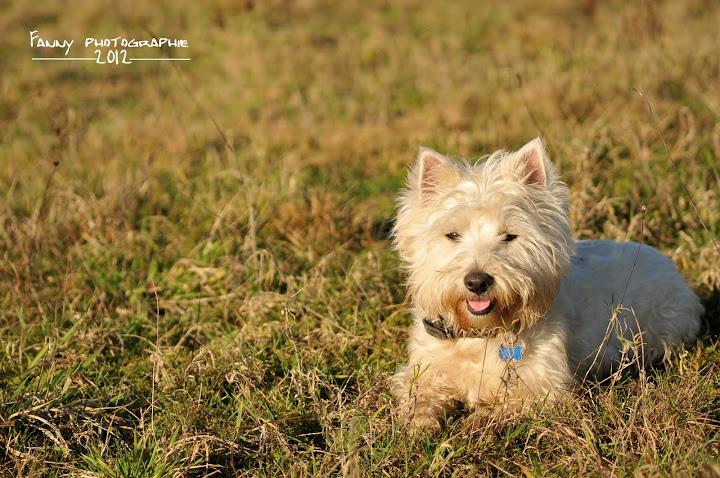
point(478, 282)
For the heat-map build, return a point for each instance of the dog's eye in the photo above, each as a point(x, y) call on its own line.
point(453, 236)
point(509, 237)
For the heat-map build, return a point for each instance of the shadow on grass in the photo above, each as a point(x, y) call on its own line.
point(711, 302)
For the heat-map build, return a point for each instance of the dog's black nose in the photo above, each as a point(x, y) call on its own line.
point(478, 282)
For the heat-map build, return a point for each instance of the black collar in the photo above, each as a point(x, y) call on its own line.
point(438, 329)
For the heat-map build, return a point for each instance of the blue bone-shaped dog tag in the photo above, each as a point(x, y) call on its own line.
point(511, 352)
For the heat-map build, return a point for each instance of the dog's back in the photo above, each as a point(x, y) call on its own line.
point(616, 289)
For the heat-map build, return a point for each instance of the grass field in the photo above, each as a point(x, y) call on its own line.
point(195, 272)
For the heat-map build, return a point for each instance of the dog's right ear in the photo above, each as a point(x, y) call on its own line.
point(531, 164)
point(432, 175)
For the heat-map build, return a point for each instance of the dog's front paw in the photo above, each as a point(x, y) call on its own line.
point(427, 422)
point(423, 403)
point(428, 416)
point(420, 415)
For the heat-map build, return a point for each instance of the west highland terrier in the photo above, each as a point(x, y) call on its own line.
point(509, 310)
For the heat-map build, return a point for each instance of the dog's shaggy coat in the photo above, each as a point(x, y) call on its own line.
point(508, 308)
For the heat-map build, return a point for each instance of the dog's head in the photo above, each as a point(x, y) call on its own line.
point(485, 245)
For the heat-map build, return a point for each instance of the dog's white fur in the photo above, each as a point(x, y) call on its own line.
point(566, 303)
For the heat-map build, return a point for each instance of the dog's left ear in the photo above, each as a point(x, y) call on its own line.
point(432, 175)
point(531, 165)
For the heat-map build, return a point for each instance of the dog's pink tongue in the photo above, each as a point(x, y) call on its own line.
point(478, 305)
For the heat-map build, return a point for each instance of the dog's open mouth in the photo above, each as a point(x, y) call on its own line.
point(480, 306)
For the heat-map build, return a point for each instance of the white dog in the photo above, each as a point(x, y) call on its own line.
point(508, 308)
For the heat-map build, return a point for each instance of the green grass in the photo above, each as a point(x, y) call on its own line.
point(204, 285)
